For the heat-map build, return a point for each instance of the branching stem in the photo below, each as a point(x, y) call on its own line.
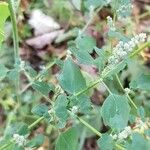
point(128, 96)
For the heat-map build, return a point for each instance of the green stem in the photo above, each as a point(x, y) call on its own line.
point(89, 126)
point(107, 87)
point(147, 44)
point(131, 101)
point(15, 31)
point(89, 87)
point(120, 84)
point(35, 123)
point(15, 43)
point(30, 127)
point(4, 147)
point(96, 132)
point(120, 147)
point(90, 20)
point(129, 98)
point(36, 78)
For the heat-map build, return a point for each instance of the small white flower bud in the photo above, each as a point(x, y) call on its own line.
point(114, 136)
point(126, 46)
point(122, 135)
point(142, 37)
point(132, 44)
point(127, 90)
point(128, 130)
point(122, 49)
point(74, 109)
point(19, 139)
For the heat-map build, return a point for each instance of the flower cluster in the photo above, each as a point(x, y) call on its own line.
point(74, 109)
point(122, 135)
point(111, 24)
point(124, 48)
point(19, 139)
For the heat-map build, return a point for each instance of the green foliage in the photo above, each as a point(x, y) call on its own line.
point(142, 82)
point(106, 142)
point(43, 87)
point(3, 71)
point(82, 56)
point(122, 8)
point(61, 110)
point(119, 108)
point(67, 140)
point(85, 43)
point(107, 72)
point(70, 92)
point(19, 128)
point(94, 3)
point(4, 13)
point(40, 109)
point(36, 141)
point(141, 113)
point(101, 60)
point(71, 78)
point(138, 143)
point(84, 104)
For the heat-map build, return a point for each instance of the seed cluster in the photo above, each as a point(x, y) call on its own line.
point(74, 109)
point(19, 139)
point(124, 48)
point(122, 135)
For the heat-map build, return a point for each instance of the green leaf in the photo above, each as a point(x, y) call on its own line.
point(102, 59)
point(85, 43)
point(43, 87)
point(115, 111)
point(118, 35)
point(141, 82)
point(40, 109)
point(17, 147)
point(116, 69)
point(67, 140)
point(141, 113)
point(138, 143)
point(71, 78)
point(147, 132)
point(83, 56)
point(94, 3)
point(61, 112)
point(13, 74)
point(22, 129)
point(83, 103)
point(3, 71)
point(36, 141)
point(17, 128)
point(119, 5)
point(32, 73)
point(106, 142)
point(4, 13)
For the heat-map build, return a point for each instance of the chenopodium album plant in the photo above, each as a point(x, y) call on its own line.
point(70, 108)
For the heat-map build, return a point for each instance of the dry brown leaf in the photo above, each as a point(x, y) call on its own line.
point(42, 23)
point(40, 41)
